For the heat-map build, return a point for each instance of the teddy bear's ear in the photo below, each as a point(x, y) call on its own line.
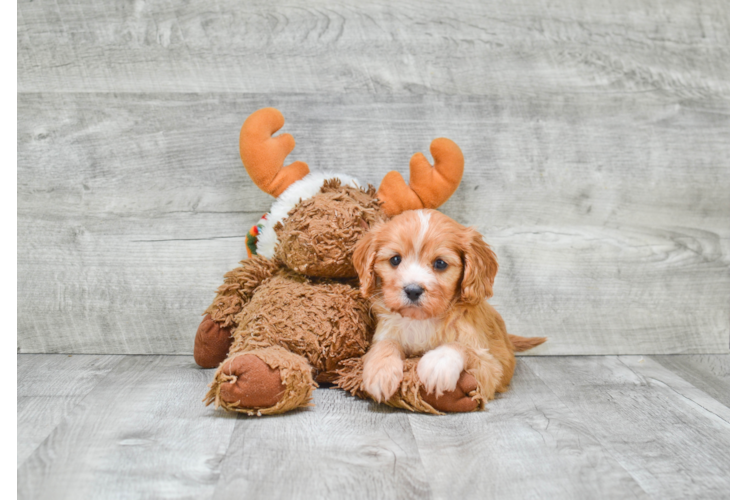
point(429, 186)
point(263, 155)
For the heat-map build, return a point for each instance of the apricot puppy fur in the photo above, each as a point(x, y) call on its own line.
point(428, 278)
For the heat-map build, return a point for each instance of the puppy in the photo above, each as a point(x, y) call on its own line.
point(428, 279)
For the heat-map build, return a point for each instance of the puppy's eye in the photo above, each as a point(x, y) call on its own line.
point(395, 261)
point(440, 265)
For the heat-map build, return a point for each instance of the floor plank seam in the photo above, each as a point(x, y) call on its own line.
point(649, 379)
point(692, 402)
point(429, 481)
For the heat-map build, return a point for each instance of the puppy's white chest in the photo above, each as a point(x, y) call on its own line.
point(415, 335)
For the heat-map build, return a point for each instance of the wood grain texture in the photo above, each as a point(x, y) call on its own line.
point(49, 387)
point(656, 374)
point(142, 432)
point(527, 444)
point(708, 372)
point(609, 212)
point(596, 138)
point(569, 427)
point(420, 47)
point(672, 447)
point(341, 448)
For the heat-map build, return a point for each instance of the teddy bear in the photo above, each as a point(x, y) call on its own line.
point(291, 316)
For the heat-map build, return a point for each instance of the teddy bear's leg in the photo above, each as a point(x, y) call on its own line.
point(213, 338)
point(212, 343)
point(263, 381)
point(411, 395)
point(461, 399)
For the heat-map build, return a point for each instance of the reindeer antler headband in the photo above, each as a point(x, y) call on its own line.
point(430, 186)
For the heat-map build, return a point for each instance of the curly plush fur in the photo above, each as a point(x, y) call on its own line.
point(286, 330)
point(302, 189)
point(318, 237)
point(238, 287)
point(411, 394)
point(292, 319)
point(323, 320)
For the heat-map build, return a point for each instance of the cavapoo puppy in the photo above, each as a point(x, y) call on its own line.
point(428, 279)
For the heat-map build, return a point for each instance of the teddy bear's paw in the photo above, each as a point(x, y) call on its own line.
point(461, 399)
point(212, 343)
point(251, 383)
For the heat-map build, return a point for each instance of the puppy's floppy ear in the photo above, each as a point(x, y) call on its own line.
point(364, 256)
point(480, 269)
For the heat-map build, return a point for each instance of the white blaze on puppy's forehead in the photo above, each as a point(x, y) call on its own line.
point(412, 272)
point(423, 220)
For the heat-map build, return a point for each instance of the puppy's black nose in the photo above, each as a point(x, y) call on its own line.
point(413, 292)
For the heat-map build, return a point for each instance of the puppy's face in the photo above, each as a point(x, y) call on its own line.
point(421, 262)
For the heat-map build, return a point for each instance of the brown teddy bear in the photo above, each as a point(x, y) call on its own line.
point(290, 316)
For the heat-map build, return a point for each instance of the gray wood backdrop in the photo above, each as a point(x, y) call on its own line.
point(596, 138)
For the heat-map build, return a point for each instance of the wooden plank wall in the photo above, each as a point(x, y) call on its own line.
point(596, 137)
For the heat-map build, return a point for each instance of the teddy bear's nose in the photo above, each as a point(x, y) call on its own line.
point(413, 292)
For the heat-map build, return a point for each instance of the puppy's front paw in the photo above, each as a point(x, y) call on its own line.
point(439, 370)
point(382, 377)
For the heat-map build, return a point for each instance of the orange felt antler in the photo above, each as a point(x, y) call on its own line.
point(429, 186)
point(263, 155)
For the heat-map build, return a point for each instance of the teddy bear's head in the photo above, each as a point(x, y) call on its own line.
point(319, 233)
point(318, 218)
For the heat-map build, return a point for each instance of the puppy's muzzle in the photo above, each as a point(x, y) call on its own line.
point(413, 292)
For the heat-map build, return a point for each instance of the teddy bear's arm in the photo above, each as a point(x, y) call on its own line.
point(411, 395)
point(213, 338)
point(238, 287)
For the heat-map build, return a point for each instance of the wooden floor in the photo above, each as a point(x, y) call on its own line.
point(571, 427)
